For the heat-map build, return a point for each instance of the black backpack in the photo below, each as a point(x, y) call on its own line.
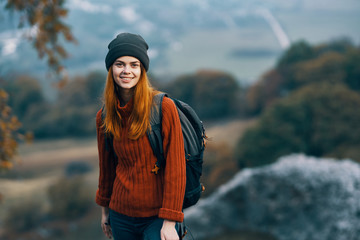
point(194, 144)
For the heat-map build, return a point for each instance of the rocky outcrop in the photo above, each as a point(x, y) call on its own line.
point(296, 198)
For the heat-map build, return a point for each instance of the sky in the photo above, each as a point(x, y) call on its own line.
point(176, 29)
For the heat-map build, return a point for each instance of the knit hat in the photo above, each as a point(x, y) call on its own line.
point(127, 44)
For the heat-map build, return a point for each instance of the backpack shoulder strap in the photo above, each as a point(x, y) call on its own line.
point(154, 134)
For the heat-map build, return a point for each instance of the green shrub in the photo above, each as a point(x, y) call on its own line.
point(77, 168)
point(299, 51)
point(24, 216)
point(24, 91)
point(53, 122)
point(352, 69)
point(318, 120)
point(212, 94)
point(72, 114)
point(219, 167)
point(69, 198)
point(83, 90)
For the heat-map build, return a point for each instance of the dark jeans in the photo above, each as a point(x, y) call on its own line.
point(135, 228)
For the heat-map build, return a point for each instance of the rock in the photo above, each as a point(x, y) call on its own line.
point(296, 198)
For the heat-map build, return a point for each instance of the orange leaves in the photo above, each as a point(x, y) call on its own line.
point(9, 126)
point(3, 94)
point(47, 16)
point(5, 111)
point(61, 51)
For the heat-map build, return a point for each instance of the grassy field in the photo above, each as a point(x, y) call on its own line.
point(228, 132)
point(42, 163)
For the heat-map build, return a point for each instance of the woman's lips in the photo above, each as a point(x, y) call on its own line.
point(126, 80)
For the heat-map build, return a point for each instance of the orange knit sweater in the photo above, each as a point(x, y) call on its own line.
point(128, 186)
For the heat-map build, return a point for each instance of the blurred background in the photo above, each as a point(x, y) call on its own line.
point(268, 78)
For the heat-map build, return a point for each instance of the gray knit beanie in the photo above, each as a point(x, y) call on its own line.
point(127, 44)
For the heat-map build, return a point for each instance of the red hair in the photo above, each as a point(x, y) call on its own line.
point(140, 115)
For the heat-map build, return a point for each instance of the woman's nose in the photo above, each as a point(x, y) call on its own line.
point(126, 69)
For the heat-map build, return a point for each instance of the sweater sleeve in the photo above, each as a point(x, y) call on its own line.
point(175, 175)
point(107, 165)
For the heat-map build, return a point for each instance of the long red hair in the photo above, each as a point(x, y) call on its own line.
point(140, 115)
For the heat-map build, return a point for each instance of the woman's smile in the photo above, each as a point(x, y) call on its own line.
point(126, 79)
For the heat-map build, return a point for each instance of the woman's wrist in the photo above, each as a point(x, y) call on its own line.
point(104, 210)
point(169, 223)
point(168, 230)
point(105, 214)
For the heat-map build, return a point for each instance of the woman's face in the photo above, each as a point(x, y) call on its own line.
point(126, 71)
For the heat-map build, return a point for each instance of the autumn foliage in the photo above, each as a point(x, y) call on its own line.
point(46, 18)
point(9, 126)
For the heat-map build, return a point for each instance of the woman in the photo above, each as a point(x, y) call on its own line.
point(136, 203)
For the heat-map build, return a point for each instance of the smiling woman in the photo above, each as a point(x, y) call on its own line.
point(136, 203)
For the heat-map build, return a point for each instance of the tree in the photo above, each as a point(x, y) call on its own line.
point(24, 92)
point(212, 94)
point(327, 67)
point(299, 51)
point(46, 16)
point(319, 120)
point(334, 62)
point(79, 100)
point(262, 93)
point(83, 90)
point(352, 68)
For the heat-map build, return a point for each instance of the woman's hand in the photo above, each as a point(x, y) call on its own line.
point(105, 222)
point(168, 231)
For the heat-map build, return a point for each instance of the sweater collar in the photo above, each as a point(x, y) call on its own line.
point(126, 110)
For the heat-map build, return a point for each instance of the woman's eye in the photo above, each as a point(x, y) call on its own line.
point(135, 65)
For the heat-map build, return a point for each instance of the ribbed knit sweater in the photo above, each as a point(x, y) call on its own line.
point(127, 185)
